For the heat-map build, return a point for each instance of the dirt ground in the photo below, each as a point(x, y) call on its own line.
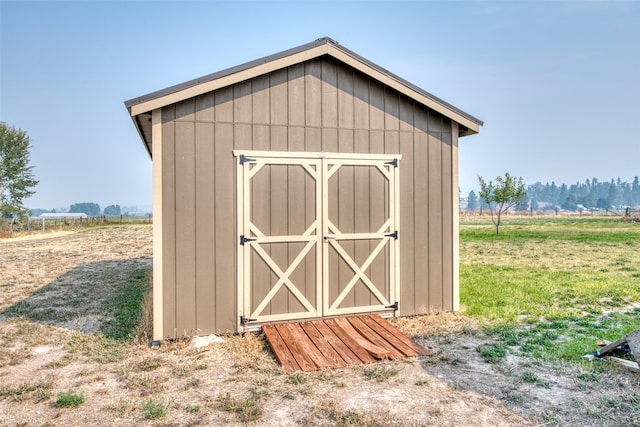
point(53, 290)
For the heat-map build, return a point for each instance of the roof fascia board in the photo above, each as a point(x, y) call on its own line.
point(230, 79)
point(401, 87)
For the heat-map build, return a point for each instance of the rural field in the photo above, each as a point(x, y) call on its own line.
point(74, 340)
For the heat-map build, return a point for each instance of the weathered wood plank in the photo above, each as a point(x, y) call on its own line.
point(374, 338)
point(304, 361)
point(400, 345)
point(350, 342)
point(623, 362)
point(338, 342)
point(612, 346)
point(374, 350)
point(389, 327)
point(308, 346)
point(340, 347)
point(323, 346)
point(280, 349)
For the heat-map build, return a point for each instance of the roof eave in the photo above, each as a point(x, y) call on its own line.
point(324, 46)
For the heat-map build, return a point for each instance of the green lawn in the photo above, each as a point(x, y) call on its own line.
point(569, 281)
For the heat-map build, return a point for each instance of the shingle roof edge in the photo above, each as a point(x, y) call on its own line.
point(319, 42)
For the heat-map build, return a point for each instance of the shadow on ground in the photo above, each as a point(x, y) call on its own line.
point(81, 299)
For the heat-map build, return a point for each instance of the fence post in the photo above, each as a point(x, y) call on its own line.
point(42, 225)
point(556, 211)
point(28, 225)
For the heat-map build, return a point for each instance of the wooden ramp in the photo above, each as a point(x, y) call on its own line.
point(338, 342)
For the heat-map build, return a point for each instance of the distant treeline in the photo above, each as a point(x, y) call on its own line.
point(590, 194)
point(93, 209)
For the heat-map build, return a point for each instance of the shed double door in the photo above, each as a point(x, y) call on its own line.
point(317, 235)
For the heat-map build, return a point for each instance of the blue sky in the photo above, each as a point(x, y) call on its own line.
point(556, 83)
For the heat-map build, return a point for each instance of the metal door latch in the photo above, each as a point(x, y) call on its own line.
point(244, 240)
point(245, 320)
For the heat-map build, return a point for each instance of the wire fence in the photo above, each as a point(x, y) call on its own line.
point(629, 213)
point(12, 227)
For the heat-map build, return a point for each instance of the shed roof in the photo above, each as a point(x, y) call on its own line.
point(141, 107)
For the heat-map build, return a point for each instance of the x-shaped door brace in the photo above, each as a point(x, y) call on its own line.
point(359, 270)
point(283, 276)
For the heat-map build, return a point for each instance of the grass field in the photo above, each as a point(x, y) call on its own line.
point(567, 280)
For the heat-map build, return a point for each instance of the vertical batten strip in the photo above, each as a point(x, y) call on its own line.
point(456, 217)
point(156, 130)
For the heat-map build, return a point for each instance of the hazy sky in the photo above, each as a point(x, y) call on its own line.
point(556, 83)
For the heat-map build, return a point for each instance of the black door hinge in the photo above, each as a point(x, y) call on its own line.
point(244, 159)
point(394, 235)
point(245, 320)
point(393, 163)
point(244, 240)
point(394, 306)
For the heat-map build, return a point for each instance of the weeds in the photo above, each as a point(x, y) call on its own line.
point(247, 408)
point(153, 409)
point(69, 399)
point(532, 378)
point(380, 373)
point(492, 353)
point(193, 409)
point(38, 391)
point(97, 348)
point(297, 378)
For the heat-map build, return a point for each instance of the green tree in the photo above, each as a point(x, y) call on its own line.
point(90, 208)
point(472, 201)
point(113, 210)
point(570, 203)
point(16, 179)
point(501, 196)
point(522, 205)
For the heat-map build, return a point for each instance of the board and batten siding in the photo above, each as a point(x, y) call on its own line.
point(317, 106)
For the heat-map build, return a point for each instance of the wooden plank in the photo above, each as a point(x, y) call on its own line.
point(340, 347)
point(400, 345)
point(374, 350)
point(612, 346)
point(280, 349)
point(623, 362)
point(374, 338)
point(350, 341)
point(307, 345)
point(323, 346)
point(389, 327)
point(303, 360)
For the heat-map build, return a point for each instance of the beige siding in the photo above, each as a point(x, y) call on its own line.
point(320, 105)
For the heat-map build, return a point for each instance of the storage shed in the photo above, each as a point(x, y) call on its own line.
point(307, 184)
